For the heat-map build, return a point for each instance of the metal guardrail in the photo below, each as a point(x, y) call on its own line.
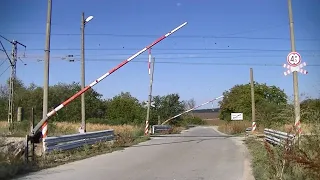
point(72, 141)
point(248, 130)
point(278, 137)
point(160, 129)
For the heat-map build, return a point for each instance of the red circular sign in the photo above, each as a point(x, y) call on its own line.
point(294, 59)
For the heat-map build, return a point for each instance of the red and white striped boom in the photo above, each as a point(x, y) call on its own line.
point(191, 109)
point(65, 103)
point(149, 62)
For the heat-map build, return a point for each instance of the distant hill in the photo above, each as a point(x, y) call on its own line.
point(206, 113)
point(206, 110)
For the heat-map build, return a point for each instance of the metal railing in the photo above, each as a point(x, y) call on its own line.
point(161, 129)
point(278, 137)
point(73, 141)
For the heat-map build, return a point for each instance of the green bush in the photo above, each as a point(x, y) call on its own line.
point(187, 121)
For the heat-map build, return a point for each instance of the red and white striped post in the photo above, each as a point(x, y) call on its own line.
point(254, 126)
point(146, 129)
point(44, 133)
point(149, 62)
point(65, 103)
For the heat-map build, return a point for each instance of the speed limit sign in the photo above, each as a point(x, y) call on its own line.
point(294, 59)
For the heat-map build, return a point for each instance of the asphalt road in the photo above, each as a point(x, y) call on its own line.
point(201, 153)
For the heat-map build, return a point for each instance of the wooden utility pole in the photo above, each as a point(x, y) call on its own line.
point(46, 61)
point(83, 107)
point(150, 94)
point(253, 106)
point(295, 73)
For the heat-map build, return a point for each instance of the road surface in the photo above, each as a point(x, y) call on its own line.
point(201, 153)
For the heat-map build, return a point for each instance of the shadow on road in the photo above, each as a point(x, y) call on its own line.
point(201, 139)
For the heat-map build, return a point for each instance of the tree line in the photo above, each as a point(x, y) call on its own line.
point(120, 109)
point(272, 105)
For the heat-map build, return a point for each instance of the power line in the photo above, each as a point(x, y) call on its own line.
point(74, 57)
point(2, 63)
point(178, 49)
point(181, 57)
point(177, 36)
point(4, 71)
point(187, 54)
point(196, 63)
point(164, 53)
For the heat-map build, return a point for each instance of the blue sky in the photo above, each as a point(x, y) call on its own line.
point(246, 32)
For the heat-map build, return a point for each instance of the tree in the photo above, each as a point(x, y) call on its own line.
point(125, 109)
point(3, 102)
point(310, 110)
point(167, 106)
point(121, 109)
point(238, 99)
point(189, 104)
point(31, 96)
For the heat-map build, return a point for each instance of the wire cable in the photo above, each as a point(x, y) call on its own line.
point(106, 58)
point(173, 49)
point(193, 63)
point(4, 71)
point(187, 54)
point(177, 53)
point(2, 62)
point(177, 36)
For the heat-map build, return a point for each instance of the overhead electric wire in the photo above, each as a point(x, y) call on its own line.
point(186, 54)
point(189, 63)
point(4, 50)
point(191, 56)
point(2, 63)
point(166, 53)
point(177, 36)
point(4, 71)
point(177, 49)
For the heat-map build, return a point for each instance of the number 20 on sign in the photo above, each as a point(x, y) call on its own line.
point(294, 64)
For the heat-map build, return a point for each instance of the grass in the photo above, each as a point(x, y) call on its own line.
point(238, 127)
point(275, 162)
point(214, 122)
point(234, 127)
point(306, 128)
point(177, 130)
point(63, 128)
point(10, 167)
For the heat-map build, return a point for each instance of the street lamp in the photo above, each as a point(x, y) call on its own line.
point(83, 108)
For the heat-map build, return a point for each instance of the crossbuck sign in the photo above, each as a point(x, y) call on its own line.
point(147, 103)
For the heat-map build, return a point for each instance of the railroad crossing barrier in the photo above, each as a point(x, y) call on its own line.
point(160, 129)
point(67, 142)
point(278, 138)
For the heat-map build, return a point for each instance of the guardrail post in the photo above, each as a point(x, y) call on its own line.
point(26, 149)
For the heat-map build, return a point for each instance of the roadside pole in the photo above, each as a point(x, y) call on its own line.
point(253, 106)
point(146, 132)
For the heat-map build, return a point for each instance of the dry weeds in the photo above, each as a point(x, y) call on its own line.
point(234, 127)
